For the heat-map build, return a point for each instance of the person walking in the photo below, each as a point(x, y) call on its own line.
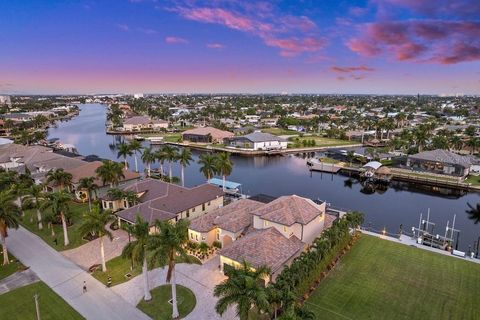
point(84, 286)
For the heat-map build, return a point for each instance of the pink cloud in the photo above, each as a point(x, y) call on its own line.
point(215, 46)
point(351, 69)
point(175, 40)
point(291, 47)
point(219, 16)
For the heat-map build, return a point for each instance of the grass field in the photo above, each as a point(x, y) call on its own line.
point(322, 141)
point(280, 131)
point(19, 304)
point(10, 268)
point(379, 279)
point(159, 309)
point(77, 210)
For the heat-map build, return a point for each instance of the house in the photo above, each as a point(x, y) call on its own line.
point(442, 162)
point(164, 201)
point(139, 123)
point(258, 141)
point(206, 135)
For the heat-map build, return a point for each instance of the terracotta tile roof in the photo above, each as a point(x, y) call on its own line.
point(214, 132)
point(233, 217)
point(288, 210)
point(264, 247)
point(165, 200)
point(88, 170)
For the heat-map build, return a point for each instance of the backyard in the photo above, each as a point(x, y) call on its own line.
point(19, 304)
point(379, 279)
point(29, 221)
point(298, 142)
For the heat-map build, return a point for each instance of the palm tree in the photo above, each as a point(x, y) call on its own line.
point(110, 172)
point(421, 138)
point(148, 157)
point(171, 155)
point(184, 158)
point(137, 250)
point(474, 212)
point(124, 151)
point(165, 247)
point(456, 142)
point(243, 288)
point(161, 157)
point(224, 166)
point(9, 214)
point(88, 184)
point(59, 178)
point(473, 143)
point(134, 147)
point(58, 201)
point(95, 222)
point(207, 162)
point(36, 197)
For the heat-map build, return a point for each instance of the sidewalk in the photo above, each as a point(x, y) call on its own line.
point(66, 279)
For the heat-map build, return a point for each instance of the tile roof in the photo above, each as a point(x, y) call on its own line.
point(288, 210)
point(214, 132)
point(233, 217)
point(444, 156)
point(88, 170)
point(165, 200)
point(264, 247)
point(261, 137)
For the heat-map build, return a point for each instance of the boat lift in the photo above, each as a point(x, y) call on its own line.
point(425, 234)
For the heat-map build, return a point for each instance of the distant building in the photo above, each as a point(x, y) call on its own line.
point(137, 95)
point(258, 141)
point(139, 123)
point(206, 135)
point(5, 100)
point(442, 162)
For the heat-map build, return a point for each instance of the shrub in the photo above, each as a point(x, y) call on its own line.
point(217, 244)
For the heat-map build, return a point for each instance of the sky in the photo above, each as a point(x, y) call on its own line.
point(235, 46)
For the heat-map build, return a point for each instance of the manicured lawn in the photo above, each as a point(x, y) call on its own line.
point(379, 279)
point(321, 141)
point(19, 304)
point(158, 308)
point(10, 268)
point(280, 131)
point(474, 180)
point(118, 267)
point(77, 211)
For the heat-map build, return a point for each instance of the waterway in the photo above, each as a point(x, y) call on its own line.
point(284, 175)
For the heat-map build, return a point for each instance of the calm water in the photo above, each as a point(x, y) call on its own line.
point(282, 175)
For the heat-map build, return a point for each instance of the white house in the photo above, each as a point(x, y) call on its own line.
point(258, 141)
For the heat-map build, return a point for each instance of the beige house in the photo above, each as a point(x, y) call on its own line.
point(139, 123)
point(206, 135)
point(166, 202)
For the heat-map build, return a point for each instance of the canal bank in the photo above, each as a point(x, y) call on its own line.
point(401, 203)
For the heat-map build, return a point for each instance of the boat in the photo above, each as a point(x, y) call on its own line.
point(138, 138)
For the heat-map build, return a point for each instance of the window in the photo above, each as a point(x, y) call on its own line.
point(203, 238)
point(188, 213)
point(209, 202)
point(193, 209)
point(191, 235)
point(176, 219)
point(110, 205)
point(218, 235)
point(203, 206)
point(265, 223)
point(125, 204)
point(196, 237)
point(285, 229)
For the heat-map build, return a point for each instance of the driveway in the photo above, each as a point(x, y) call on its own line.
point(66, 279)
point(17, 280)
point(201, 279)
point(89, 254)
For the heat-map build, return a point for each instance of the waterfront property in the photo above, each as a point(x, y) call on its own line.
point(258, 141)
point(164, 201)
point(142, 123)
point(442, 162)
point(397, 281)
point(206, 135)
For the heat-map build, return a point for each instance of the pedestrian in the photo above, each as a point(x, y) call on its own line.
point(84, 286)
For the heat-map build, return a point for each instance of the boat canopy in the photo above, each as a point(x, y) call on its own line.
point(228, 184)
point(373, 165)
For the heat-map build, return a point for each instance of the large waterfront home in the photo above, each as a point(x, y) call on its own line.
point(158, 200)
point(270, 234)
point(206, 135)
point(258, 141)
point(139, 123)
point(442, 162)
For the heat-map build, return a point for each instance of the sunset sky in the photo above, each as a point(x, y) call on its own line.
point(233, 46)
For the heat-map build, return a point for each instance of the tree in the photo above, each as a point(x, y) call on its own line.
point(9, 214)
point(95, 222)
point(161, 157)
point(148, 157)
point(88, 184)
point(110, 172)
point(36, 197)
point(184, 158)
point(474, 212)
point(134, 147)
point(136, 250)
point(207, 162)
point(124, 151)
point(58, 201)
point(421, 137)
point(59, 178)
point(473, 143)
point(456, 142)
point(165, 247)
point(242, 288)
point(171, 155)
point(224, 166)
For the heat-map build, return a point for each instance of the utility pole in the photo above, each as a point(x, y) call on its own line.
point(37, 307)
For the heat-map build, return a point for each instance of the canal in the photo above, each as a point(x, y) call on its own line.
point(283, 175)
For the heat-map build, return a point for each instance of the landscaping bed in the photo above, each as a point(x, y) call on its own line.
point(10, 268)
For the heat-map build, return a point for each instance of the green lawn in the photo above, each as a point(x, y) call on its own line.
point(322, 141)
point(77, 211)
point(474, 180)
point(118, 267)
point(158, 308)
point(280, 131)
point(10, 268)
point(19, 304)
point(379, 279)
